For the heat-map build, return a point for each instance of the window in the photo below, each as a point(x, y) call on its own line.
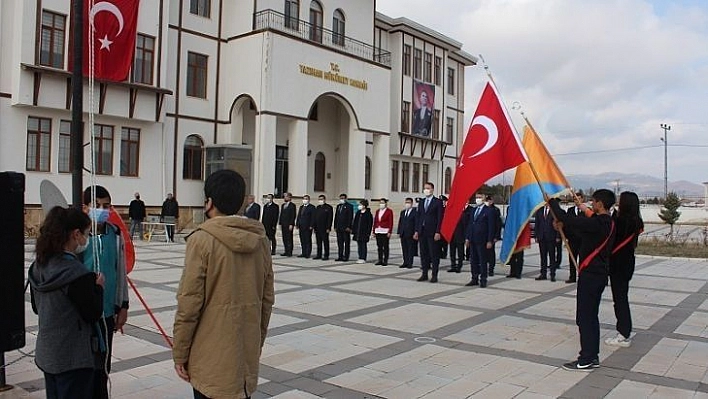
point(406, 117)
point(450, 81)
point(292, 13)
point(407, 60)
point(103, 156)
point(65, 161)
point(319, 172)
point(129, 151)
point(193, 158)
point(405, 176)
point(367, 173)
point(51, 46)
point(394, 176)
point(436, 124)
point(438, 66)
point(200, 7)
point(143, 62)
point(448, 180)
point(196, 75)
point(416, 178)
point(39, 138)
point(425, 176)
point(338, 28)
point(417, 63)
point(449, 129)
point(428, 71)
point(315, 21)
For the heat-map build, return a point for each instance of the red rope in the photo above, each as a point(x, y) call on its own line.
point(152, 316)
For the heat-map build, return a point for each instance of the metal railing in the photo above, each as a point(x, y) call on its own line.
point(270, 19)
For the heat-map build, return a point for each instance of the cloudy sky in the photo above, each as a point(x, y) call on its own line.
point(590, 75)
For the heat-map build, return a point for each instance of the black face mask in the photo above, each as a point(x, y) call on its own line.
point(138, 197)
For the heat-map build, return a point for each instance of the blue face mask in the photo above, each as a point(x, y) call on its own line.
point(100, 215)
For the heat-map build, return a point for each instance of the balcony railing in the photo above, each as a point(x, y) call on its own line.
point(269, 19)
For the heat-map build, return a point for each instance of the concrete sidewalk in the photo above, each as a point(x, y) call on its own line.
point(346, 330)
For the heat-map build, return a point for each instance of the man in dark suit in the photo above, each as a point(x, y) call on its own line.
point(492, 253)
point(253, 209)
point(270, 220)
point(457, 244)
point(573, 240)
point(480, 238)
point(422, 117)
point(323, 225)
point(427, 232)
point(305, 223)
point(287, 223)
point(547, 237)
point(343, 217)
point(406, 229)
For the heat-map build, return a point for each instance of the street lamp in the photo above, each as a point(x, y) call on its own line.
point(666, 157)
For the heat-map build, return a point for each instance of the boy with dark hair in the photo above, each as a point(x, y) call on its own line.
point(596, 239)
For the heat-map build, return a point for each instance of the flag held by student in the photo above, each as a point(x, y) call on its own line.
point(526, 196)
point(491, 147)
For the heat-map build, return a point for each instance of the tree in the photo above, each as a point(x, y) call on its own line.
point(669, 213)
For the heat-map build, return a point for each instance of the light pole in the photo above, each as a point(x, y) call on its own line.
point(666, 157)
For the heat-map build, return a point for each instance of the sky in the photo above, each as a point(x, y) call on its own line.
point(595, 78)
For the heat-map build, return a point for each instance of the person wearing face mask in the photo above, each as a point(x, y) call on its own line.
point(343, 218)
point(406, 229)
point(287, 223)
point(480, 238)
point(323, 225)
point(69, 302)
point(383, 226)
point(110, 258)
point(136, 213)
point(170, 214)
point(363, 221)
point(305, 223)
point(270, 220)
point(253, 209)
point(427, 232)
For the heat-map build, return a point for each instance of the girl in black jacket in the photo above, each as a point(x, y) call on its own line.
point(363, 221)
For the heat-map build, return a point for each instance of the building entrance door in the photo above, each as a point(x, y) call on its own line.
point(281, 171)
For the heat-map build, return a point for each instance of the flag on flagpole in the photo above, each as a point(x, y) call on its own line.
point(526, 196)
point(491, 147)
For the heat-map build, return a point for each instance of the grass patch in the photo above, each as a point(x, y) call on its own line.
point(659, 247)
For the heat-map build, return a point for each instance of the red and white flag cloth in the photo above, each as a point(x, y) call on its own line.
point(114, 24)
point(491, 147)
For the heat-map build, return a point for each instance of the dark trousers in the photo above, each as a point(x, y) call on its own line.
point(575, 248)
point(457, 254)
point(443, 249)
point(74, 384)
point(407, 246)
point(478, 261)
point(382, 246)
point(100, 381)
point(136, 225)
point(322, 244)
point(491, 259)
point(559, 255)
point(270, 233)
point(548, 254)
point(344, 240)
point(620, 290)
point(170, 233)
point(306, 241)
point(361, 248)
point(429, 254)
point(590, 287)
point(287, 239)
point(517, 264)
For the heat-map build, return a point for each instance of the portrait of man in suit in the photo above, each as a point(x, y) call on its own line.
point(423, 108)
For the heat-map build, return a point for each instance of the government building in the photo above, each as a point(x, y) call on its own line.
point(311, 97)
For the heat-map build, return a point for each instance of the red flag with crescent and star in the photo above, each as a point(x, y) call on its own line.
point(114, 24)
point(491, 147)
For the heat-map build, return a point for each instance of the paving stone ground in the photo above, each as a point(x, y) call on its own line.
point(346, 330)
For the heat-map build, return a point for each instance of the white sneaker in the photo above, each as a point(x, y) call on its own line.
point(361, 261)
point(619, 340)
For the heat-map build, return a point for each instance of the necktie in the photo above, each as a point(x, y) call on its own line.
point(476, 213)
point(427, 202)
point(408, 212)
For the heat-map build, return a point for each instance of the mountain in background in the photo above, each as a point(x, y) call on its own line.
point(643, 185)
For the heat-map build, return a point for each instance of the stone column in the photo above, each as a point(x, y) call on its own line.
point(264, 155)
point(705, 196)
point(380, 166)
point(297, 157)
point(356, 156)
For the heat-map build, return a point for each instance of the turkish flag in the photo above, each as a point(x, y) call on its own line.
point(491, 147)
point(114, 24)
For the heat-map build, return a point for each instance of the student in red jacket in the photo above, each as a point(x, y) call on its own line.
point(383, 226)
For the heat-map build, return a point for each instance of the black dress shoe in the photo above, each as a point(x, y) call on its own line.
point(472, 283)
point(423, 278)
point(539, 278)
point(338, 260)
point(377, 263)
point(272, 253)
point(553, 279)
point(570, 281)
point(452, 270)
point(509, 276)
point(325, 258)
point(482, 284)
point(384, 264)
point(301, 256)
point(317, 257)
point(403, 266)
point(434, 279)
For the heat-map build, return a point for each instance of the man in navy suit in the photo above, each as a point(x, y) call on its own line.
point(480, 238)
point(305, 223)
point(271, 212)
point(547, 238)
point(406, 229)
point(343, 218)
point(427, 232)
point(253, 210)
point(287, 223)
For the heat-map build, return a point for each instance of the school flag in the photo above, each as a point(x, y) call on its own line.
point(491, 147)
point(526, 196)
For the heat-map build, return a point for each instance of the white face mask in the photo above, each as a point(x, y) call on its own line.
point(408, 205)
point(305, 202)
point(341, 201)
point(488, 203)
point(478, 201)
point(427, 192)
point(267, 201)
point(321, 202)
point(382, 206)
point(361, 207)
point(81, 247)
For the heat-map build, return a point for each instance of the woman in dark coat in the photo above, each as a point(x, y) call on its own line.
point(363, 221)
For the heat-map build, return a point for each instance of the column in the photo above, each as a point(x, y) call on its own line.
point(297, 157)
point(264, 155)
point(380, 162)
point(356, 155)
